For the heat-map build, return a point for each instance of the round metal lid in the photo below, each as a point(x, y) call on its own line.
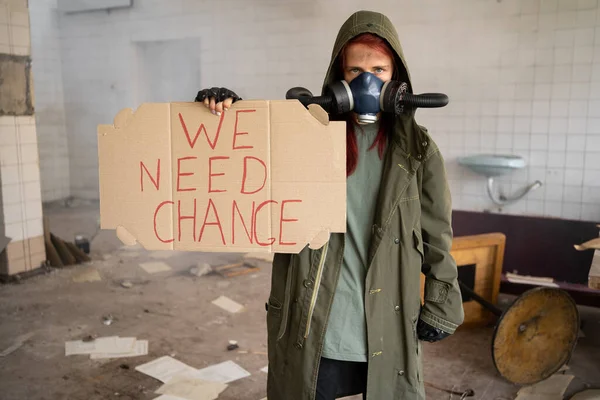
point(588, 394)
point(535, 335)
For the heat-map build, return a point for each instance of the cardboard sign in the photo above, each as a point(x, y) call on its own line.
point(267, 176)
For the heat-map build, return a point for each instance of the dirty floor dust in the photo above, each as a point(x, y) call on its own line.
point(173, 311)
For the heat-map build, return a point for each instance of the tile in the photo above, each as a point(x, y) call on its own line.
point(32, 191)
point(4, 34)
point(561, 91)
point(580, 91)
point(21, 50)
point(538, 158)
point(26, 134)
point(15, 250)
point(29, 154)
point(30, 173)
point(555, 175)
point(8, 135)
point(15, 231)
point(559, 108)
point(593, 126)
point(556, 160)
point(576, 142)
point(581, 73)
point(563, 56)
point(577, 125)
point(16, 267)
point(34, 228)
point(590, 212)
point(591, 178)
point(571, 211)
point(38, 259)
point(553, 208)
point(558, 125)
point(557, 142)
point(541, 91)
point(583, 55)
point(578, 108)
point(19, 18)
point(591, 195)
point(573, 194)
point(36, 244)
point(3, 14)
point(592, 160)
point(592, 143)
point(13, 213)
point(540, 125)
point(554, 192)
point(10, 174)
point(11, 194)
point(584, 37)
point(8, 155)
point(33, 210)
point(539, 142)
point(575, 160)
point(20, 36)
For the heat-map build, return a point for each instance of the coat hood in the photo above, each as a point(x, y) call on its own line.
point(367, 22)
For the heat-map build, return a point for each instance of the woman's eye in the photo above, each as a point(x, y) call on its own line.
point(379, 70)
point(354, 70)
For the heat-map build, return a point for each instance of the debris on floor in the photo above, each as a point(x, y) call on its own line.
point(107, 347)
point(265, 369)
point(140, 348)
point(228, 305)
point(225, 372)
point(259, 260)
point(189, 388)
point(126, 284)
point(19, 342)
point(201, 269)
point(588, 394)
point(154, 267)
point(108, 319)
point(164, 368)
point(530, 280)
point(233, 344)
point(86, 274)
point(235, 269)
point(552, 388)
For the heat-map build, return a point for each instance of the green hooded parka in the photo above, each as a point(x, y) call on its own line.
point(411, 234)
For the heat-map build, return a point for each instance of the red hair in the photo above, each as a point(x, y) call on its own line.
point(380, 45)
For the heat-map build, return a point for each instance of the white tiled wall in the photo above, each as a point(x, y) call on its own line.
point(19, 169)
point(523, 77)
point(19, 160)
point(49, 100)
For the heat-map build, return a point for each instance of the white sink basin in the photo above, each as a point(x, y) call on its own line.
point(490, 165)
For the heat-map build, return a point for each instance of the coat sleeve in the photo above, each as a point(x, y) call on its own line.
point(442, 307)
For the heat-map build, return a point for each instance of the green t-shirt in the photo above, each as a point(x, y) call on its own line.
point(346, 336)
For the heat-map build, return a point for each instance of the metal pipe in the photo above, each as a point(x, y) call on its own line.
point(503, 200)
point(484, 303)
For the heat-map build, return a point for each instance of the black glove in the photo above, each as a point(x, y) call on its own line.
point(220, 94)
point(429, 333)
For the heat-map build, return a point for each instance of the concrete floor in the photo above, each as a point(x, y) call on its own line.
point(173, 311)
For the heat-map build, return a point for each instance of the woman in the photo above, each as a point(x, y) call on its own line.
point(347, 318)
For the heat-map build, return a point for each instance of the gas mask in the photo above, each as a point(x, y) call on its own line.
point(365, 92)
point(367, 96)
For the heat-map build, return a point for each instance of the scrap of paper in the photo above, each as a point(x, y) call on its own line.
point(168, 397)
point(228, 305)
point(155, 266)
point(164, 368)
point(265, 369)
point(86, 275)
point(111, 344)
point(192, 388)
point(139, 349)
point(555, 386)
point(224, 372)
